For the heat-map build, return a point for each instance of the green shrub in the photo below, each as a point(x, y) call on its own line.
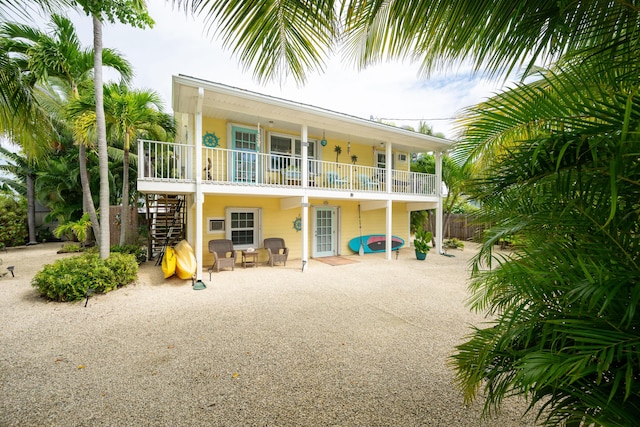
point(453, 243)
point(13, 220)
point(138, 251)
point(68, 279)
point(70, 248)
point(44, 234)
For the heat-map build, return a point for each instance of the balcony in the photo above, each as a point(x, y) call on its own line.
point(165, 162)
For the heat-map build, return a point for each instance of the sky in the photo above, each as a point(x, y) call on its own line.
point(178, 44)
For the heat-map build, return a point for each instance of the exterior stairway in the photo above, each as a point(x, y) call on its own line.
point(165, 223)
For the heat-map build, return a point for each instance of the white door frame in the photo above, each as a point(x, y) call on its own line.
point(334, 232)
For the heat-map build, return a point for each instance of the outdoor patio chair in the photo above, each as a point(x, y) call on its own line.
point(224, 255)
point(276, 249)
point(334, 180)
point(366, 183)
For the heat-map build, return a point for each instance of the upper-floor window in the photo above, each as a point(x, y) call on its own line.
point(286, 151)
point(380, 159)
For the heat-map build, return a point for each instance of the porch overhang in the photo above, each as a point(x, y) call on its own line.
point(245, 106)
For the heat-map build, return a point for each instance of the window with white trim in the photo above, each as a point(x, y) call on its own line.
point(243, 227)
point(286, 151)
point(380, 159)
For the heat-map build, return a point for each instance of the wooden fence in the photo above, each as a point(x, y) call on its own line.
point(461, 227)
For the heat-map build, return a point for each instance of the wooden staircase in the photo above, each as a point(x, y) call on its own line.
point(166, 218)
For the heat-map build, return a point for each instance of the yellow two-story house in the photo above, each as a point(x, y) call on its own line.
point(248, 166)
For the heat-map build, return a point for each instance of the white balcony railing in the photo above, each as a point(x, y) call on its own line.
point(165, 161)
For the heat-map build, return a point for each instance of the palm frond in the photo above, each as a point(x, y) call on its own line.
point(272, 38)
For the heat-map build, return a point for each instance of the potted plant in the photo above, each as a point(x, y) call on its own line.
point(421, 243)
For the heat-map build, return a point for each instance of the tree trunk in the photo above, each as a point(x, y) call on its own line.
point(124, 216)
point(31, 210)
point(102, 140)
point(87, 198)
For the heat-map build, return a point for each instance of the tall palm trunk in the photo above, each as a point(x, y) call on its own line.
point(124, 216)
point(101, 131)
point(31, 209)
point(87, 199)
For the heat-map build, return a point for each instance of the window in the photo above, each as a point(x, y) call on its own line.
point(286, 151)
point(280, 148)
point(381, 160)
point(245, 139)
point(243, 227)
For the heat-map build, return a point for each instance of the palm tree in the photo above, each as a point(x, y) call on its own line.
point(133, 12)
point(17, 105)
point(60, 56)
point(276, 38)
point(128, 114)
point(561, 169)
point(57, 187)
point(11, 9)
point(23, 120)
point(561, 172)
point(13, 173)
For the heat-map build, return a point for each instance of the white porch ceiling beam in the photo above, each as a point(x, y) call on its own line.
point(373, 205)
point(422, 206)
point(290, 203)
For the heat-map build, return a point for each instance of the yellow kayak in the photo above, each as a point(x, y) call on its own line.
point(169, 262)
point(185, 260)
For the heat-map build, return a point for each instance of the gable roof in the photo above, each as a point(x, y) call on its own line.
point(244, 106)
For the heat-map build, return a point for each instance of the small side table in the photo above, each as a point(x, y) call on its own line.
point(249, 259)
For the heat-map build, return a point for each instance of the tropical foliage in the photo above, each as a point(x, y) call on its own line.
point(559, 163)
point(129, 114)
point(561, 171)
point(74, 230)
point(56, 62)
point(422, 239)
point(455, 176)
point(57, 71)
point(132, 12)
point(71, 279)
point(13, 230)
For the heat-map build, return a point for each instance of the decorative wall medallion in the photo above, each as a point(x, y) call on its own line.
point(297, 223)
point(210, 140)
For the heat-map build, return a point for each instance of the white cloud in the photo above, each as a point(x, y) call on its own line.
point(178, 45)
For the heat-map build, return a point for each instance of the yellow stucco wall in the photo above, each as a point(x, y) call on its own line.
point(217, 126)
point(365, 153)
point(280, 223)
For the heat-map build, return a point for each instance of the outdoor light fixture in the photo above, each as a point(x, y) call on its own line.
point(324, 141)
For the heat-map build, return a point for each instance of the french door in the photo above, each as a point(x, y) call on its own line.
point(244, 157)
point(325, 231)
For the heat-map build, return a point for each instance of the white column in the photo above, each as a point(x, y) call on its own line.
point(439, 222)
point(389, 228)
point(305, 156)
point(142, 160)
point(305, 199)
point(199, 197)
point(388, 174)
point(389, 212)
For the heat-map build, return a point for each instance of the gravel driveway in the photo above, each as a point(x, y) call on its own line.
point(362, 344)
